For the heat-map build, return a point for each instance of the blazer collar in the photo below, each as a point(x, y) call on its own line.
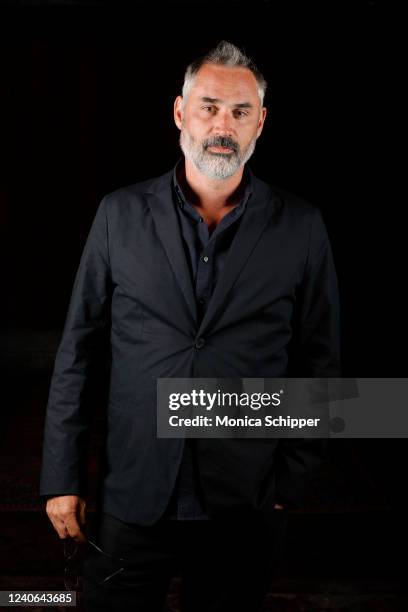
point(260, 206)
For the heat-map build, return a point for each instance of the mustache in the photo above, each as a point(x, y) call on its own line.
point(221, 141)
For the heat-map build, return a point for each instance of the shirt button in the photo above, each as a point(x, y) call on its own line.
point(199, 343)
point(200, 220)
point(201, 301)
point(205, 259)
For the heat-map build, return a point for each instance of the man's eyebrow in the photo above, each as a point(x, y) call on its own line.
point(218, 100)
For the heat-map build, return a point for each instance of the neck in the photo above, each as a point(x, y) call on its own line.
point(211, 194)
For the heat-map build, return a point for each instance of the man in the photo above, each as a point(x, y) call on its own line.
point(203, 272)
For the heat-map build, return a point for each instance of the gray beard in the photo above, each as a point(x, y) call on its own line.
point(218, 166)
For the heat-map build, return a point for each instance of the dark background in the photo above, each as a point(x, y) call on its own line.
point(87, 95)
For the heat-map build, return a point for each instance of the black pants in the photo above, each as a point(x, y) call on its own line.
point(226, 565)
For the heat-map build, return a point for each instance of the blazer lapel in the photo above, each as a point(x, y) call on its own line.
point(160, 200)
point(255, 218)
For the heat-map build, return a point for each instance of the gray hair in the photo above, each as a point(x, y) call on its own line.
point(224, 54)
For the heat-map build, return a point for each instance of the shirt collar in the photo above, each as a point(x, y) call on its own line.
point(247, 177)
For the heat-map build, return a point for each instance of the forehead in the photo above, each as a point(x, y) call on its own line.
point(232, 84)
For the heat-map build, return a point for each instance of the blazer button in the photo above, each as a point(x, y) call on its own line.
point(199, 343)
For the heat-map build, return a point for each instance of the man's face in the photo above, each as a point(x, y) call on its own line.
point(221, 119)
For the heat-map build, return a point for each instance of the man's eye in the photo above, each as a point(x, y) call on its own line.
point(208, 108)
point(240, 113)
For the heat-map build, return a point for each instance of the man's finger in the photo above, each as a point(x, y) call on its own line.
point(74, 530)
point(82, 514)
point(59, 527)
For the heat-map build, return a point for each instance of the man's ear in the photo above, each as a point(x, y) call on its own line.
point(178, 113)
point(261, 121)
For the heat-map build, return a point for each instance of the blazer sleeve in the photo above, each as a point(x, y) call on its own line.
point(68, 415)
point(317, 349)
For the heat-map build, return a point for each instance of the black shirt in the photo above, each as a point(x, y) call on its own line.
point(206, 253)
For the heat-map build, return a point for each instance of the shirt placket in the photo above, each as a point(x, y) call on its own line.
point(205, 269)
point(206, 273)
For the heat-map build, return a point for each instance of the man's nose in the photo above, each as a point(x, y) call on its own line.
point(223, 124)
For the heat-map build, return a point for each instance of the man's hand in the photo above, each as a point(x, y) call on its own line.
point(278, 507)
point(67, 513)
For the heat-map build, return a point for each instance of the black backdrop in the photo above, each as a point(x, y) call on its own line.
point(87, 94)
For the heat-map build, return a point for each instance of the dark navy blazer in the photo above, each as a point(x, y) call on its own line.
point(274, 312)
